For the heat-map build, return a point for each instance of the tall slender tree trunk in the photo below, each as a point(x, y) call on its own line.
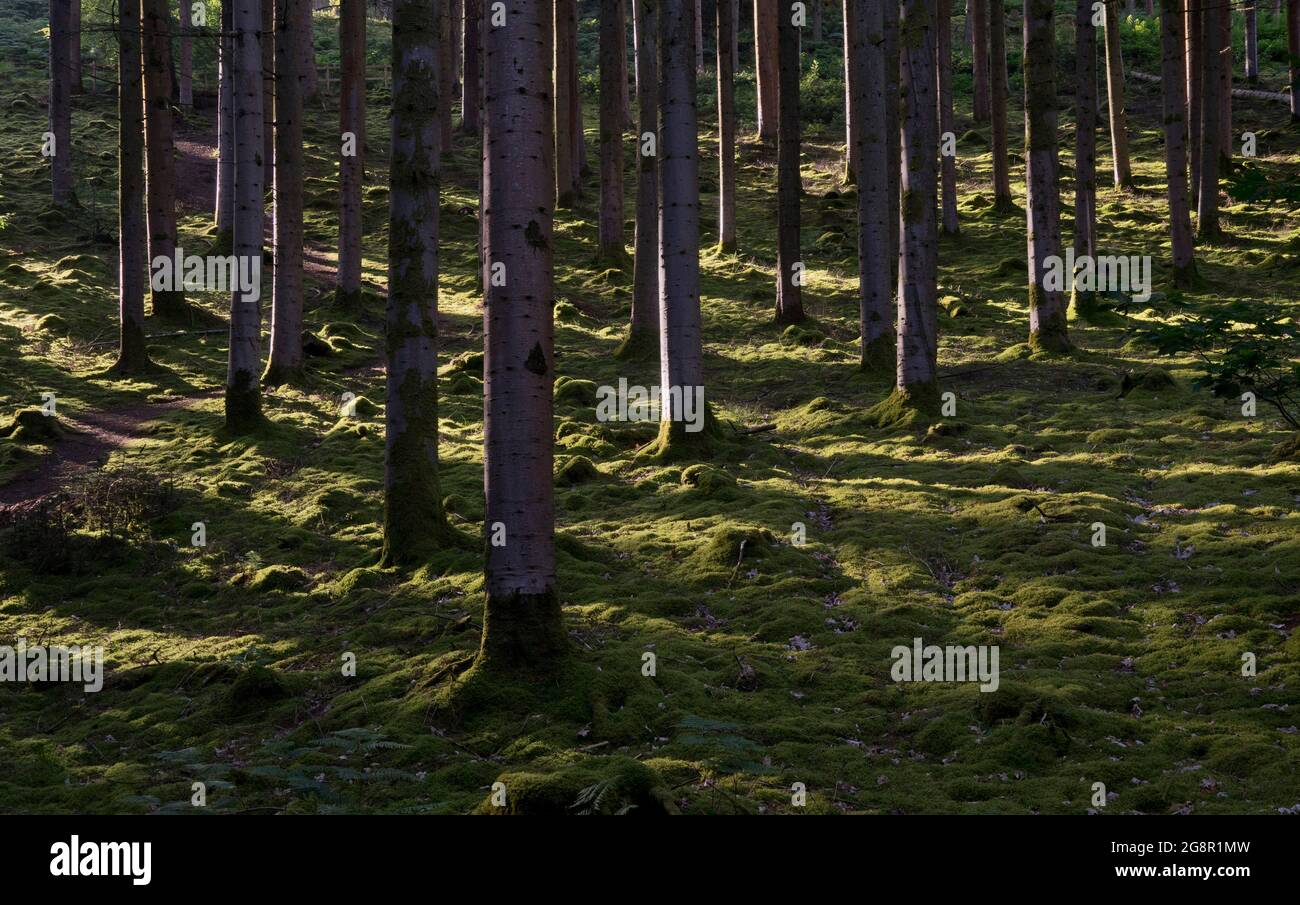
point(522, 624)
point(643, 332)
point(567, 186)
point(1252, 41)
point(132, 356)
point(268, 91)
point(865, 21)
point(352, 153)
point(414, 521)
point(224, 205)
point(699, 36)
point(1207, 194)
point(681, 352)
point(1174, 84)
point(818, 24)
point(789, 184)
point(943, 68)
point(1002, 200)
point(726, 129)
point(893, 132)
point(625, 101)
point(471, 114)
point(457, 49)
point(765, 67)
point(1195, 84)
point(1123, 168)
point(161, 151)
point(1085, 150)
point(1223, 16)
point(978, 22)
point(1293, 52)
point(446, 73)
point(918, 267)
point(1048, 331)
point(61, 102)
point(185, 84)
point(611, 133)
point(285, 364)
point(74, 46)
point(243, 395)
point(850, 147)
point(305, 31)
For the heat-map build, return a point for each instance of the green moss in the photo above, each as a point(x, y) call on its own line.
point(32, 426)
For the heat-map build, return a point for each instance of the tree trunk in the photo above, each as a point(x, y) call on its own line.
point(446, 73)
point(457, 50)
point(1207, 194)
point(893, 132)
point(268, 91)
point(522, 625)
point(1047, 316)
point(1085, 149)
point(765, 67)
point(132, 356)
point(567, 185)
point(471, 114)
point(918, 267)
point(61, 102)
point(981, 86)
point(284, 364)
point(243, 395)
point(789, 184)
point(1223, 15)
point(185, 86)
point(726, 129)
point(1115, 94)
point(161, 151)
point(818, 24)
point(1293, 51)
point(699, 36)
point(680, 340)
point(1002, 200)
point(1195, 84)
point(943, 69)
point(611, 134)
point(625, 95)
point(864, 19)
point(1174, 82)
point(224, 206)
point(74, 46)
point(643, 332)
point(352, 167)
point(414, 521)
point(850, 147)
point(1252, 42)
point(305, 30)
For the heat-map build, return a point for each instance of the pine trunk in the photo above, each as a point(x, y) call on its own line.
point(243, 395)
point(307, 51)
point(1048, 331)
point(284, 365)
point(471, 92)
point(726, 128)
point(644, 328)
point(61, 41)
point(186, 78)
point(1195, 84)
point(224, 205)
point(1223, 15)
point(1174, 82)
point(522, 625)
point(160, 150)
point(1207, 190)
point(1252, 42)
point(765, 67)
point(566, 150)
point(1293, 52)
point(625, 99)
point(132, 356)
point(611, 135)
point(943, 72)
point(699, 36)
point(1002, 200)
point(352, 167)
point(850, 147)
point(414, 521)
point(893, 133)
point(865, 21)
point(446, 73)
point(1085, 146)
point(268, 91)
point(980, 64)
point(789, 184)
point(1123, 168)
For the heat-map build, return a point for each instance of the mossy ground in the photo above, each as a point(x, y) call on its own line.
point(1119, 664)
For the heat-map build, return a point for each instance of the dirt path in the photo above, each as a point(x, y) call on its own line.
point(93, 437)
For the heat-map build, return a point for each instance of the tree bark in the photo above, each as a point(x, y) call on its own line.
point(893, 132)
point(611, 134)
point(305, 30)
point(471, 114)
point(918, 268)
point(414, 521)
point(161, 150)
point(1223, 15)
point(1085, 147)
point(818, 24)
point(243, 402)
point(224, 205)
point(567, 185)
point(943, 68)
point(981, 85)
point(61, 102)
point(1123, 168)
point(699, 36)
point(789, 184)
point(867, 63)
point(285, 363)
point(1002, 200)
point(643, 332)
point(352, 167)
point(680, 339)
point(726, 129)
point(74, 46)
point(186, 80)
point(1195, 84)
point(1207, 194)
point(850, 147)
point(457, 50)
point(522, 626)
point(1048, 331)
point(1293, 51)
point(446, 72)
point(625, 100)
point(268, 91)
point(765, 67)
point(1174, 83)
point(1252, 42)
point(132, 355)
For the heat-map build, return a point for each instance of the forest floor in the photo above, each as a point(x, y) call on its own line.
point(1119, 664)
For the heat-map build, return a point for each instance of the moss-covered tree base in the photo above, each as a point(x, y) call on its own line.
point(348, 299)
point(725, 248)
point(676, 444)
point(879, 356)
point(413, 541)
point(1087, 307)
point(223, 241)
point(171, 306)
point(277, 375)
point(908, 406)
point(243, 411)
point(638, 345)
point(1187, 277)
point(597, 785)
point(523, 635)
